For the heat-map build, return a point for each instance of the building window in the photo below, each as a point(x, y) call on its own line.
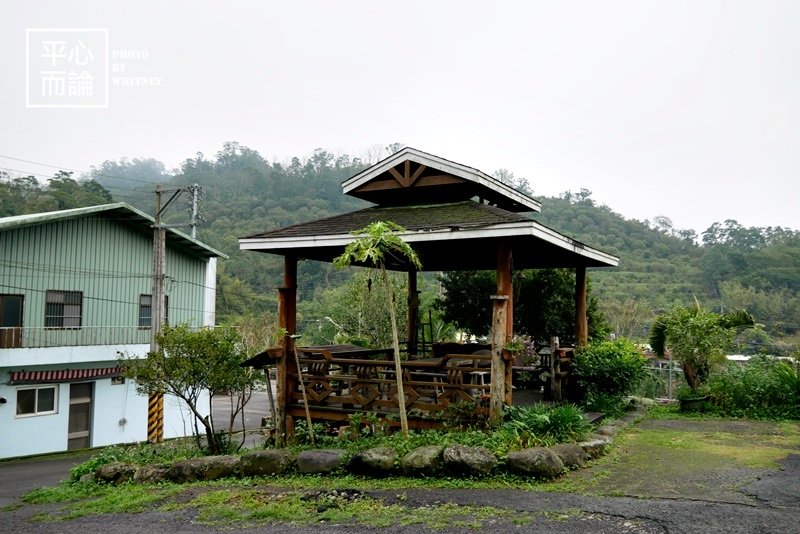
point(36, 401)
point(146, 310)
point(63, 309)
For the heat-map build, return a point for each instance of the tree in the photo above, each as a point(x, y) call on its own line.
point(697, 338)
point(354, 312)
point(187, 365)
point(544, 303)
point(378, 242)
point(521, 184)
point(628, 318)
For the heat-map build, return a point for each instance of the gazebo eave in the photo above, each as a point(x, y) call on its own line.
point(452, 249)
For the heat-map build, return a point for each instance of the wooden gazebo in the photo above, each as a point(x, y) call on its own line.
point(456, 218)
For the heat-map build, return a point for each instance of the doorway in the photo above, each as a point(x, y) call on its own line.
point(10, 321)
point(80, 416)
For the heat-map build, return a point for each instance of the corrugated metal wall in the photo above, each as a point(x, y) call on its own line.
point(106, 260)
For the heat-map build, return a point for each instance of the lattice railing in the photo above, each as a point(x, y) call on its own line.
point(337, 386)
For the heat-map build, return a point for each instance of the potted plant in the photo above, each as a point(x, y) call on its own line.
point(697, 339)
point(692, 400)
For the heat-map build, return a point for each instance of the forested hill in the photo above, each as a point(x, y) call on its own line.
point(727, 265)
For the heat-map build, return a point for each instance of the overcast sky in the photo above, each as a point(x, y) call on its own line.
point(689, 110)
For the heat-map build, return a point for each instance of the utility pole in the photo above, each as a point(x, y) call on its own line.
point(155, 412)
point(155, 404)
point(195, 190)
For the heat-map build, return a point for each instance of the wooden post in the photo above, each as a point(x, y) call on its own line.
point(287, 321)
point(505, 288)
point(497, 387)
point(555, 369)
point(413, 312)
point(581, 320)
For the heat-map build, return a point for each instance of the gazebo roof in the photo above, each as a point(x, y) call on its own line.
point(412, 176)
point(447, 237)
point(454, 216)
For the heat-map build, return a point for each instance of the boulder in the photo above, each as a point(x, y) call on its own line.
point(593, 447)
point(607, 430)
point(115, 473)
point(571, 454)
point(603, 437)
point(204, 468)
point(265, 462)
point(320, 460)
point(151, 474)
point(88, 478)
point(473, 461)
point(375, 462)
point(538, 462)
point(422, 460)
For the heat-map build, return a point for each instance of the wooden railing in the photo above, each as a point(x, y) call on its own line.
point(337, 385)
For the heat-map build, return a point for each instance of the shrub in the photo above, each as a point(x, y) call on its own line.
point(609, 369)
point(764, 388)
point(543, 425)
point(138, 454)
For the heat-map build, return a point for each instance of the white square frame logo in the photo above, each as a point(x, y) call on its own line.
point(66, 68)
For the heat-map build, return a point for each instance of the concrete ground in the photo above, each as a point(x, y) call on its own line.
point(255, 411)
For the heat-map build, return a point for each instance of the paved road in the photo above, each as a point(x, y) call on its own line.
point(254, 412)
point(18, 477)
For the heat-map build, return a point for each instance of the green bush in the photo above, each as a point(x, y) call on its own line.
point(764, 388)
point(608, 371)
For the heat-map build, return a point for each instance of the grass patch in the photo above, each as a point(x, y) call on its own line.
point(95, 499)
point(686, 457)
point(242, 505)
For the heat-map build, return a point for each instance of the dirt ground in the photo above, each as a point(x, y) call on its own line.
point(663, 475)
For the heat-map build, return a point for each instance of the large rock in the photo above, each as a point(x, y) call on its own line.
point(204, 468)
point(571, 454)
point(151, 473)
point(593, 447)
point(607, 430)
point(422, 460)
point(537, 462)
point(320, 460)
point(115, 473)
point(265, 462)
point(374, 462)
point(463, 460)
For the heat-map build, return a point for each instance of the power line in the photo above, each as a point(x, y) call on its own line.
point(75, 170)
point(48, 177)
point(98, 299)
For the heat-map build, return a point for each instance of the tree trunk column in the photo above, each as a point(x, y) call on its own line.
point(581, 319)
point(502, 330)
point(287, 321)
point(413, 312)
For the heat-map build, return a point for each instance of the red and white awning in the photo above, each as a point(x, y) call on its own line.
point(61, 375)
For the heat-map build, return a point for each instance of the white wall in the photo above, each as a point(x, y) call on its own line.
point(35, 434)
point(23, 358)
point(114, 404)
point(40, 434)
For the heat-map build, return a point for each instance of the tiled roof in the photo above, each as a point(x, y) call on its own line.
point(460, 215)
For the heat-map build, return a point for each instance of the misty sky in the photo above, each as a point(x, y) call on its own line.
point(684, 109)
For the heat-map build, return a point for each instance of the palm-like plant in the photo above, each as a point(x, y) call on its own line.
point(377, 243)
point(697, 338)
